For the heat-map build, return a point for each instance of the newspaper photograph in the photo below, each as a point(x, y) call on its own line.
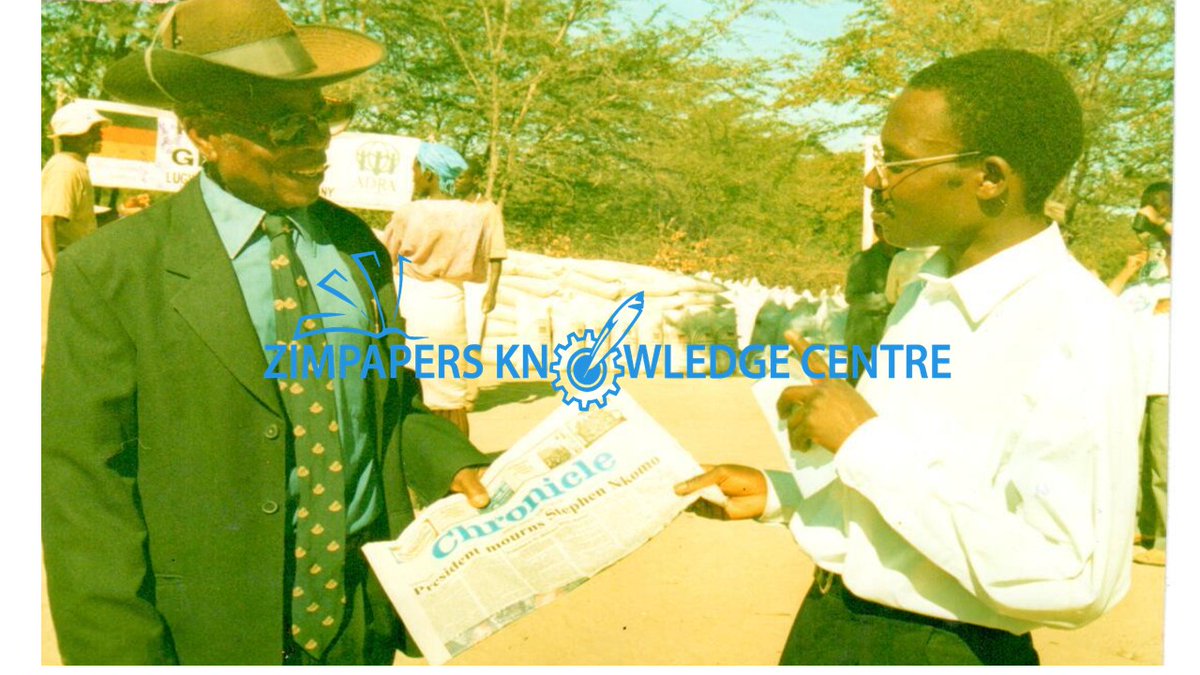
point(573, 496)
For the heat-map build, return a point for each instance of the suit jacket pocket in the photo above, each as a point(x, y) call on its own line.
point(171, 600)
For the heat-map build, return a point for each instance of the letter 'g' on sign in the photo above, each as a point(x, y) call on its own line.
point(183, 157)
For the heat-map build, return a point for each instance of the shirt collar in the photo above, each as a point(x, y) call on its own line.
point(238, 221)
point(983, 286)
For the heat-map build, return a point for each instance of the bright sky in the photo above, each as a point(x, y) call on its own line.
point(761, 36)
point(757, 35)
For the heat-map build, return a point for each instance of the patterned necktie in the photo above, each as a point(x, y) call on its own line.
point(318, 598)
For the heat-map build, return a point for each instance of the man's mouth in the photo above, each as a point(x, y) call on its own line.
point(880, 210)
point(309, 173)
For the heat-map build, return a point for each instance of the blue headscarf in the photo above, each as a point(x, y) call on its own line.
point(444, 162)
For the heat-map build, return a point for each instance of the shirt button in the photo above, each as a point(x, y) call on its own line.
point(272, 431)
point(269, 507)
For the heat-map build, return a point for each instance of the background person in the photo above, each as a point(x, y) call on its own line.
point(448, 242)
point(1150, 302)
point(866, 294)
point(958, 514)
point(68, 200)
point(1152, 224)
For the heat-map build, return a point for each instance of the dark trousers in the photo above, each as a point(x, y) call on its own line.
point(371, 631)
point(836, 627)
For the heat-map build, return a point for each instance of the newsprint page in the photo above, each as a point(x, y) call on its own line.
point(576, 494)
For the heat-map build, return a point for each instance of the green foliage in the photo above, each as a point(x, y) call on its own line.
point(1118, 53)
point(79, 39)
point(646, 143)
point(637, 143)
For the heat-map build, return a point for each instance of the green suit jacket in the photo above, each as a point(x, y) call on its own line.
point(164, 448)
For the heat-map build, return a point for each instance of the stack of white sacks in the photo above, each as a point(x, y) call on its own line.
point(748, 296)
point(542, 299)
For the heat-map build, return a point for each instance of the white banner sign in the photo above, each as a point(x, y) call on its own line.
point(144, 149)
point(370, 171)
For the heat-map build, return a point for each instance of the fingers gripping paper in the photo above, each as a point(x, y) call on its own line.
point(573, 496)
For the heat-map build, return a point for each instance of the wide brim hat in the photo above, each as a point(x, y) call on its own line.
point(211, 49)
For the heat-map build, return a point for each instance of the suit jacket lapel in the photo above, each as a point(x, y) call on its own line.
point(351, 238)
point(378, 293)
point(210, 299)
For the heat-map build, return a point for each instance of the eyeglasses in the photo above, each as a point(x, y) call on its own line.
point(332, 118)
point(882, 168)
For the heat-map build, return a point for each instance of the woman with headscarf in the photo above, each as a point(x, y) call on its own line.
point(447, 242)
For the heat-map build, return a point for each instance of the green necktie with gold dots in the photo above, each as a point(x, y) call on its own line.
point(318, 598)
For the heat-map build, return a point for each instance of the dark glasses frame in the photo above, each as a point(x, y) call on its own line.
point(332, 118)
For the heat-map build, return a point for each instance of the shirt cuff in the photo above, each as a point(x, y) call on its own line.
point(783, 495)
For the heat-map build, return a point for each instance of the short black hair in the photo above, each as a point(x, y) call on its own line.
point(1016, 105)
point(1154, 189)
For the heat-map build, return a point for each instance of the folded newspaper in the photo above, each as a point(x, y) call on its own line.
point(576, 494)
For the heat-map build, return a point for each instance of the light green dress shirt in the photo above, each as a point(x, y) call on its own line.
point(239, 227)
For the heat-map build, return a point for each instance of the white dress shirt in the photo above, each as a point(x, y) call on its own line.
point(1003, 496)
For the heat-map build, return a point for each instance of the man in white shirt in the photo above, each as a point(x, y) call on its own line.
point(958, 514)
point(1150, 302)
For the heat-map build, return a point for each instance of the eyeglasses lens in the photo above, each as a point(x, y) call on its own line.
point(333, 119)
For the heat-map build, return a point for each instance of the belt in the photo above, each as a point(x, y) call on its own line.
point(827, 582)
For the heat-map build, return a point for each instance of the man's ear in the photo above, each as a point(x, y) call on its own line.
point(997, 179)
point(207, 145)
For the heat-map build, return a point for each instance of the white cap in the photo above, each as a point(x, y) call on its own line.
point(75, 119)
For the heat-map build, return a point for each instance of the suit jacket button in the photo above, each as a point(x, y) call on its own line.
point(272, 431)
point(269, 507)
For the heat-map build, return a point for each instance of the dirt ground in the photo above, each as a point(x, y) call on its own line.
point(715, 593)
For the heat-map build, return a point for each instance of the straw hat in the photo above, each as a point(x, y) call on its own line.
point(206, 49)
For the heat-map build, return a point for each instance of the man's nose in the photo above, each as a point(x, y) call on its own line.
point(316, 137)
point(320, 133)
point(871, 180)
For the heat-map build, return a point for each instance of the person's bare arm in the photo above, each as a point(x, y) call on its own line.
point(493, 282)
point(1133, 263)
point(49, 242)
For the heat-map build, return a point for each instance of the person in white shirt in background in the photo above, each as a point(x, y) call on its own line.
point(1150, 301)
point(1152, 224)
point(68, 203)
point(446, 242)
point(958, 514)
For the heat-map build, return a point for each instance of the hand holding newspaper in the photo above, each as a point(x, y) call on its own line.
point(813, 467)
point(573, 496)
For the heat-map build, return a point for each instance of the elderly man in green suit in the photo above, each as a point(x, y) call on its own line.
point(194, 509)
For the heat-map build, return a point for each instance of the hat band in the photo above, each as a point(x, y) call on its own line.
point(279, 56)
